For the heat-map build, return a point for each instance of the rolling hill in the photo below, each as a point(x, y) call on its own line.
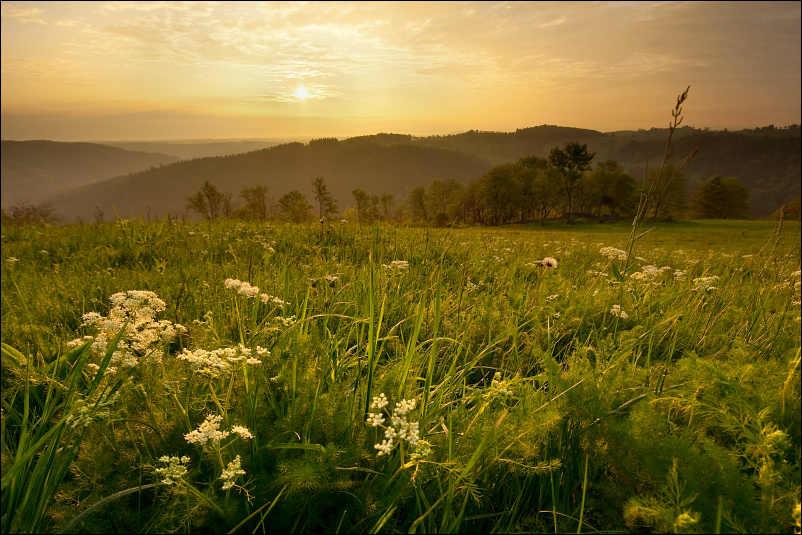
point(766, 160)
point(33, 171)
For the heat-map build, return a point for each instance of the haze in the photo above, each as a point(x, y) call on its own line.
point(76, 71)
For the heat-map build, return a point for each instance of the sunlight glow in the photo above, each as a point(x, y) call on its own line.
point(301, 93)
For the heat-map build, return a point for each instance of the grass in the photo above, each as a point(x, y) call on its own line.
point(539, 406)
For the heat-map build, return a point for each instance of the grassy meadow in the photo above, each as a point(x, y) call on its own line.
point(176, 376)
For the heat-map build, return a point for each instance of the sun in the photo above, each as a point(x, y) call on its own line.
point(301, 93)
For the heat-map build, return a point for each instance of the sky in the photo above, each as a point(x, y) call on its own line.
point(89, 71)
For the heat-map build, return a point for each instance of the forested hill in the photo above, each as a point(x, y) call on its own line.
point(33, 171)
point(766, 160)
point(371, 165)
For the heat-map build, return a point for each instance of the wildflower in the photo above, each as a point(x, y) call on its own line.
point(616, 311)
point(11, 259)
point(175, 471)
point(379, 402)
point(549, 262)
point(242, 431)
point(400, 427)
point(612, 253)
point(704, 284)
point(208, 432)
point(498, 389)
point(684, 521)
point(232, 471)
point(397, 265)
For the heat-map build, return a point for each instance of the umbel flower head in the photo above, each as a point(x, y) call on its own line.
point(400, 427)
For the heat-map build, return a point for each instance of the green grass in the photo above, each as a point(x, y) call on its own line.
point(544, 408)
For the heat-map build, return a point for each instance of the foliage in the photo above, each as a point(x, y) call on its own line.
point(294, 207)
point(208, 202)
point(720, 198)
point(327, 205)
point(571, 161)
point(30, 214)
point(258, 203)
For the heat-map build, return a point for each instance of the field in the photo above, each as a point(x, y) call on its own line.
point(172, 376)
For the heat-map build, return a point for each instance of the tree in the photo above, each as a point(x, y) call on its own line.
point(258, 204)
point(571, 161)
point(30, 214)
point(327, 205)
point(441, 199)
point(608, 186)
point(667, 199)
point(720, 198)
point(387, 207)
point(500, 193)
point(416, 204)
point(539, 190)
point(367, 207)
point(208, 202)
point(294, 207)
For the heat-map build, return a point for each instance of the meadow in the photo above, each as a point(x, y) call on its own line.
point(227, 376)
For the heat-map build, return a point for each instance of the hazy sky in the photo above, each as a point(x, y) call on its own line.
point(167, 70)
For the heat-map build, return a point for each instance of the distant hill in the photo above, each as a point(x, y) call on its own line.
point(369, 164)
point(766, 160)
point(187, 150)
point(33, 171)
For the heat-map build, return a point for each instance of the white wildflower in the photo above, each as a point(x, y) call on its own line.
point(612, 253)
point(232, 471)
point(242, 431)
point(208, 432)
point(617, 311)
point(175, 471)
point(704, 284)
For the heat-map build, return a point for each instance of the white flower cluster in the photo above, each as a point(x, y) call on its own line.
point(208, 433)
point(242, 431)
point(86, 413)
point(400, 427)
point(397, 265)
point(649, 273)
point(498, 389)
point(704, 284)
point(617, 311)
point(175, 471)
point(232, 471)
point(143, 332)
point(220, 361)
point(612, 253)
point(251, 292)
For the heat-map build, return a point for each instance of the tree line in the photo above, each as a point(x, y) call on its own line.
point(566, 184)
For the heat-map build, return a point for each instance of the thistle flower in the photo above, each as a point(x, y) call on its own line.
point(548, 262)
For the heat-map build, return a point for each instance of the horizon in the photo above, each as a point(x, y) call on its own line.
point(307, 139)
point(161, 71)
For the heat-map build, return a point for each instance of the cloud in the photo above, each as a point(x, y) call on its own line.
point(25, 16)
